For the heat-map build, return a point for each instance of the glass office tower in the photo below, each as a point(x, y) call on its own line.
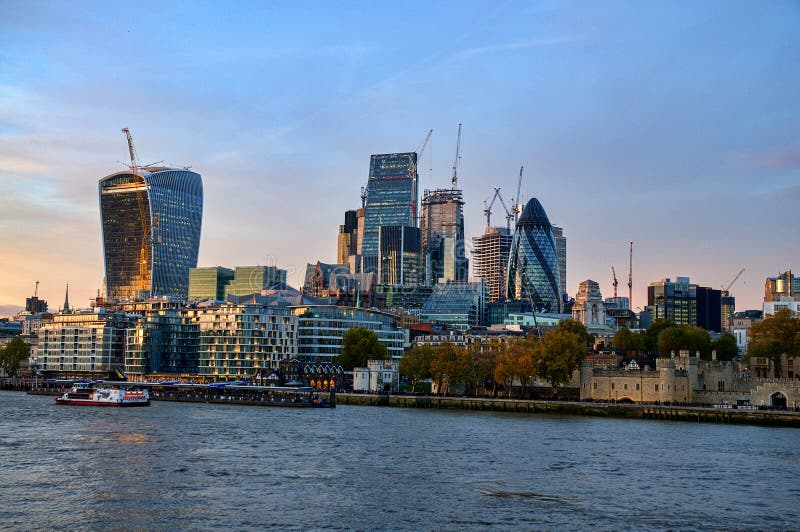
point(391, 200)
point(151, 231)
point(533, 263)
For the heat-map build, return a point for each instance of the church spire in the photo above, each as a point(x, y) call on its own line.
point(66, 300)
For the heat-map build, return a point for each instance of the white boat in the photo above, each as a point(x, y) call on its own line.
point(104, 395)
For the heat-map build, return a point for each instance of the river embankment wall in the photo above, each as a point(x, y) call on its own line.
point(633, 411)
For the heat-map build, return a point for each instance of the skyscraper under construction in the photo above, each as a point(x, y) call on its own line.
point(490, 259)
point(442, 226)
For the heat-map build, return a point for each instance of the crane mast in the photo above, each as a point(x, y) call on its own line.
point(615, 283)
point(512, 215)
point(630, 277)
point(458, 157)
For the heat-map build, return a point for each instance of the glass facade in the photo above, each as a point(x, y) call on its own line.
point(322, 327)
point(533, 272)
point(675, 301)
point(460, 305)
point(399, 255)
point(209, 283)
point(151, 231)
point(391, 200)
point(253, 279)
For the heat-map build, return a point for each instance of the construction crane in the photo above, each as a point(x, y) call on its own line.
point(487, 209)
point(615, 283)
point(36, 290)
point(458, 158)
point(726, 291)
point(151, 234)
point(630, 278)
point(412, 169)
point(512, 215)
point(363, 196)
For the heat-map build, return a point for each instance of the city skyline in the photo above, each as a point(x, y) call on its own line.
point(674, 128)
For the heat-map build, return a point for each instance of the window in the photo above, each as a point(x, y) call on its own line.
point(612, 385)
point(637, 385)
point(656, 387)
point(720, 386)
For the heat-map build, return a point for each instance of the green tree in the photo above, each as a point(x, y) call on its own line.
point(654, 331)
point(558, 354)
point(626, 341)
point(358, 346)
point(15, 352)
point(726, 347)
point(774, 336)
point(448, 366)
point(416, 364)
point(685, 337)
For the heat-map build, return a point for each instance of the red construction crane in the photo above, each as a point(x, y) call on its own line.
point(616, 283)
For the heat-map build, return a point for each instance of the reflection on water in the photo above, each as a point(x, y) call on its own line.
point(178, 466)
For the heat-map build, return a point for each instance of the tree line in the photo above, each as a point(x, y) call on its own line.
point(485, 368)
point(663, 337)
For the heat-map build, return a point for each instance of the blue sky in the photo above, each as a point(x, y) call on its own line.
point(675, 125)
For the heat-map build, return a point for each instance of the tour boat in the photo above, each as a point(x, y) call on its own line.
point(104, 395)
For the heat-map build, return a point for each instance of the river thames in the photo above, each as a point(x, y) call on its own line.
point(178, 466)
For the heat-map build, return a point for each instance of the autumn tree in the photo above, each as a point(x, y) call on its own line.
point(358, 346)
point(14, 352)
point(774, 336)
point(416, 364)
point(654, 330)
point(577, 328)
point(448, 366)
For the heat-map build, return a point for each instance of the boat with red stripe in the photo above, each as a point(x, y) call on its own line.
point(87, 394)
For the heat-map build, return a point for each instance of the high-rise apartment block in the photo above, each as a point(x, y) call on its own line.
point(391, 200)
point(490, 260)
point(151, 220)
point(442, 226)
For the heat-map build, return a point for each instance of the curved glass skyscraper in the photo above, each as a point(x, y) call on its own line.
point(533, 263)
point(151, 231)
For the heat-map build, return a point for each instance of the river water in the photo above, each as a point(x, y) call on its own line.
point(194, 466)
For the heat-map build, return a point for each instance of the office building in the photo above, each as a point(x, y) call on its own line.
point(618, 303)
point(209, 283)
point(490, 260)
point(164, 339)
point(322, 327)
point(457, 304)
point(685, 303)
point(709, 308)
point(253, 279)
point(728, 306)
point(347, 244)
point(442, 226)
point(34, 305)
point(391, 200)
point(151, 222)
point(399, 255)
point(673, 300)
point(533, 272)
point(561, 255)
point(782, 287)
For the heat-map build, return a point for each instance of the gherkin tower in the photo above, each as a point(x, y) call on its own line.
point(533, 273)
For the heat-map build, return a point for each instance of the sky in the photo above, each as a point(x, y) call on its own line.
point(672, 124)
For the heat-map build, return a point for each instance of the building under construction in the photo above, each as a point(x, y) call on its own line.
point(490, 259)
point(442, 227)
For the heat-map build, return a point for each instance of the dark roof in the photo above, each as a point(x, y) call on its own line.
point(533, 213)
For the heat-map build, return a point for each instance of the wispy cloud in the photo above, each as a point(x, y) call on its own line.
point(521, 45)
point(786, 157)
